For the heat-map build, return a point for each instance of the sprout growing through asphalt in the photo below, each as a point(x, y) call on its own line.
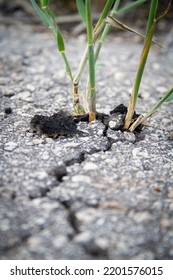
point(90, 55)
point(48, 17)
point(152, 21)
point(148, 39)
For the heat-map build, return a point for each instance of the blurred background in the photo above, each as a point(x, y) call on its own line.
point(17, 11)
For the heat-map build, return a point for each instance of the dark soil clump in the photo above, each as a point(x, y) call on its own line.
point(59, 124)
point(64, 124)
point(121, 109)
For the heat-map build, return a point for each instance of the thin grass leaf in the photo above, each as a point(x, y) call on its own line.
point(165, 11)
point(161, 101)
point(82, 9)
point(139, 74)
point(60, 41)
point(51, 14)
point(152, 15)
point(68, 69)
point(141, 66)
point(169, 98)
point(52, 21)
point(104, 13)
point(91, 62)
point(97, 31)
point(49, 20)
point(116, 23)
point(142, 61)
point(141, 119)
point(41, 14)
point(106, 29)
point(130, 6)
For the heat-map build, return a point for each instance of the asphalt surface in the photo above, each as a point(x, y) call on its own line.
point(97, 196)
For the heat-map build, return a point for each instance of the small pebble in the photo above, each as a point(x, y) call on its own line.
point(10, 146)
point(129, 136)
point(37, 141)
point(84, 238)
point(90, 166)
point(30, 87)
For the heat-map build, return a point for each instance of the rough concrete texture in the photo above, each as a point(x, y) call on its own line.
point(97, 196)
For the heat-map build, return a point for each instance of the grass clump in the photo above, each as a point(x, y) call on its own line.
point(151, 25)
point(95, 38)
point(47, 16)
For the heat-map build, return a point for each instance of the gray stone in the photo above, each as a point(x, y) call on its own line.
point(116, 121)
point(129, 136)
point(10, 146)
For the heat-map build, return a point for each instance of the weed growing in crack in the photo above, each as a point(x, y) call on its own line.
point(95, 38)
point(44, 11)
point(152, 21)
point(130, 123)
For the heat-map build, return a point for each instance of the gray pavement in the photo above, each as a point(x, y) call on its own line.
point(115, 200)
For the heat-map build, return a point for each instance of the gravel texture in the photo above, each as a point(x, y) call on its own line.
point(97, 196)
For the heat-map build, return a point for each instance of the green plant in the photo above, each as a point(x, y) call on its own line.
point(44, 11)
point(101, 29)
point(166, 98)
point(95, 38)
point(152, 21)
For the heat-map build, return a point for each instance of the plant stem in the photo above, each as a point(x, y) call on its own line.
point(141, 118)
point(152, 15)
point(103, 36)
point(91, 62)
point(68, 69)
point(141, 66)
point(106, 30)
point(97, 30)
point(104, 13)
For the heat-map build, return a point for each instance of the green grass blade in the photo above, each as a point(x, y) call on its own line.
point(142, 61)
point(165, 98)
point(91, 61)
point(141, 119)
point(138, 77)
point(82, 9)
point(49, 20)
point(89, 22)
point(41, 14)
point(130, 6)
point(85, 55)
point(52, 21)
point(169, 98)
point(60, 41)
point(104, 13)
point(68, 69)
point(141, 66)
point(152, 15)
point(106, 29)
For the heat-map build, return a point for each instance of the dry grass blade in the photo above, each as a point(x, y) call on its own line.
point(116, 23)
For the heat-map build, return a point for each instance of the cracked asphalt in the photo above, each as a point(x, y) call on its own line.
point(98, 196)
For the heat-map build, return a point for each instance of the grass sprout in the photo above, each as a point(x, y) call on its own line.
point(91, 61)
point(152, 20)
point(93, 33)
point(95, 38)
point(166, 98)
